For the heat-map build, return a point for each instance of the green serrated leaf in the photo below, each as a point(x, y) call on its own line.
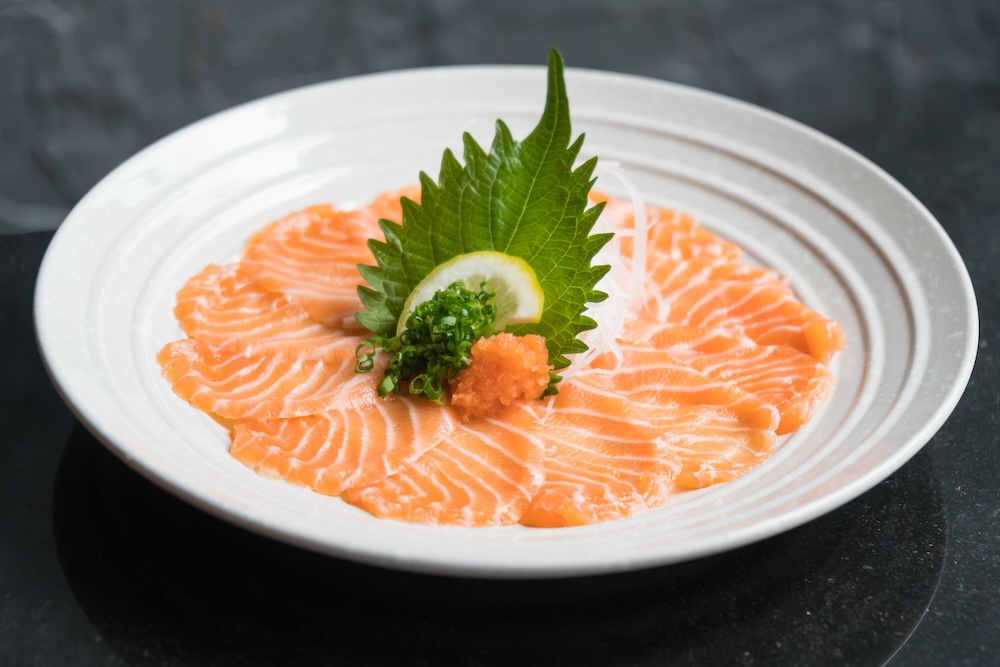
point(521, 198)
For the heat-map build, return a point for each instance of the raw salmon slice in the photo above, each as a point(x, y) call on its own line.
point(765, 314)
point(691, 267)
point(647, 375)
point(312, 256)
point(223, 306)
point(677, 237)
point(336, 450)
point(669, 280)
point(484, 474)
point(387, 205)
point(794, 382)
point(670, 277)
point(671, 236)
point(723, 432)
point(600, 463)
point(712, 446)
point(233, 384)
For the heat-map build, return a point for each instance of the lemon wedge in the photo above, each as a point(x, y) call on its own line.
point(519, 297)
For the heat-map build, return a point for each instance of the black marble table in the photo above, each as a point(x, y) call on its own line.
point(100, 567)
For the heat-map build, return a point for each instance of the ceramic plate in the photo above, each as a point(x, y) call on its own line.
point(854, 243)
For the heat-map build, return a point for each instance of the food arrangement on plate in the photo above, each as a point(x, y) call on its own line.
point(504, 345)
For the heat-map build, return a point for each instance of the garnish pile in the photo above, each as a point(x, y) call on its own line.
point(476, 299)
point(522, 199)
point(436, 343)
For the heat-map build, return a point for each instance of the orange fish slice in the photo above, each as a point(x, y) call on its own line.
point(669, 279)
point(725, 431)
point(600, 463)
point(336, 450)
point(649, 375)
point(794, 382)
point(676, 236)
point(765, 314)
point(312, 257)
point(711, 445)
point(233, 384)
point(671, 276)
point(671, 235)
point(484, 474)
point(223, 306)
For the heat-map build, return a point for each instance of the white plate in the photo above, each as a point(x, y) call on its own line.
point(855, 244)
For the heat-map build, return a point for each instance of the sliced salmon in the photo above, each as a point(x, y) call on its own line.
point(671, 236)
point(676, 236)
point(670, 277)
point(711, 444)
point(223, 306)
point(600, 463)
point(312, 257)
point(794, 382)
point(766, 314)
point(722, 358)
point(689, 283)
point(230, 383)
point(387, 205)
point(721, 431)
point(484, 474)
point(647, 375)
point(339, 449)
point(670, 280)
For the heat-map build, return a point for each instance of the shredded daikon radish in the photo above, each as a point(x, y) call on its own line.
point(640, 232)
point(609, 314)
point(549, 405)
point(625, 283)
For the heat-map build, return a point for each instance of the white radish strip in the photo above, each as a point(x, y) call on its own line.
point(625, 283)
point(641, 231)
point(610, 314)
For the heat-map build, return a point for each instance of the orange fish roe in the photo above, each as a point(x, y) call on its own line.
point(504, 368)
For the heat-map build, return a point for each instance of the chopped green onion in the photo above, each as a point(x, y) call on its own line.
point(436, 343)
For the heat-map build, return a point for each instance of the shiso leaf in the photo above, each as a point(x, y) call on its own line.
point(522, 198)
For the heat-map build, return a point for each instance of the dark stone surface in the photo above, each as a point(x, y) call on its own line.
point(98, 567)
point(156, 576)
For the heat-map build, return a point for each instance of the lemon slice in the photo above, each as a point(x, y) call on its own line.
point(519, 296)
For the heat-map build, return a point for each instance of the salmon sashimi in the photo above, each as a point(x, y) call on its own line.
point(671, 236)
point(670, 277)
point(689, 285)
point(484, 474)
point(650, 376)
point(715, 360)
point(767, 315)
point(312, 258)
point(230, 383)
point(669, 280)
point(387, 206)
point(794, 382)
point(716, 430)
point(223, 306)
point(711, 445)
point(676, 236)
point(333, 451)
point(600, 463)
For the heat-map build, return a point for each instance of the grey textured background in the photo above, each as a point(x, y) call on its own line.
point(85, 84)
point(914, 85)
